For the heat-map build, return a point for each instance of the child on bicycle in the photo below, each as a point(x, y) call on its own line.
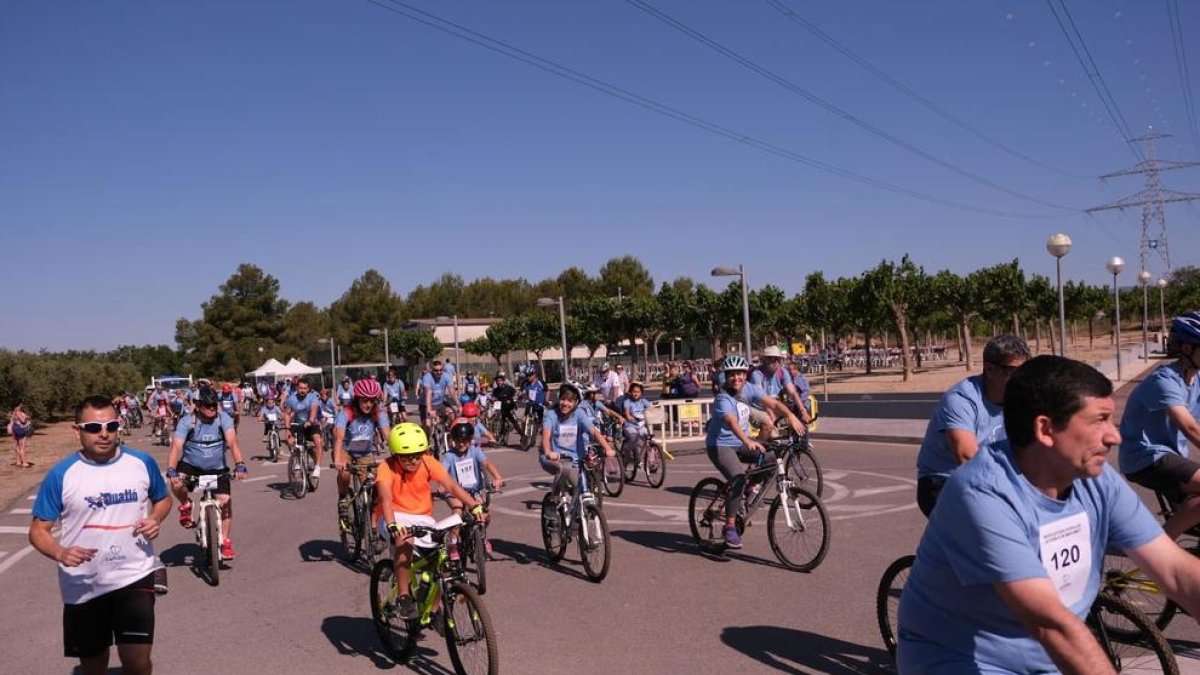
point(481, 436)
point(404, 499)
point(270, 414)
point(466, 463)
point(565, 433)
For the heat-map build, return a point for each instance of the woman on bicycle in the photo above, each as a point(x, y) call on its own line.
point(633, 411)
point(565, 432)
point(354, 437)
point(403, 498)
point(466, 464)
point(728, 442)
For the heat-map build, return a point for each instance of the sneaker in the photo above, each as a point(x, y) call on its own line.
point(732, 538)
point(406, 608)
point(227, 552)
point(185, 515)
point(487, 546)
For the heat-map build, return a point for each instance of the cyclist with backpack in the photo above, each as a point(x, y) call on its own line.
point(354, 437)
point(198, 449)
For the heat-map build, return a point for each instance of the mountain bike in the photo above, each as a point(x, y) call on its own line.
point(562, 515)
point(355, 527)
point(208, 524)
point(802, 464)
point(439, 439)
point(531, 429)
point(445, 602)
point(472, 541)
point(647, 454)
point(301, 461)
point(273, 442)
point(796, 520)
point(160, 432)
point(604, 474)
point(135, 418)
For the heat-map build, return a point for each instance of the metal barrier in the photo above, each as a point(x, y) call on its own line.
point(679, 419)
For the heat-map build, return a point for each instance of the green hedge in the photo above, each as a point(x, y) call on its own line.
point(50, 385)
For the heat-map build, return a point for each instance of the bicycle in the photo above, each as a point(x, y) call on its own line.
point(301, 460)
point(461, 618)
point(358, 534)
point(560, 515)
point(208, 524)
point(273, 442)
point(160, 432)
point(604, 474)
point(472, 538)
point(439, 439)
point(647, 454)
point(802, 464)
point(531, 426)
point(796, 515)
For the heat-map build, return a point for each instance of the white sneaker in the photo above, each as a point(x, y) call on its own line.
point(316, 472)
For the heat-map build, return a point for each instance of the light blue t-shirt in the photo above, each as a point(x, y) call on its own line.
point(302, 409)
point(204, 448)
point(992, 526)
point(466, 469)
point(272, 414)
point(328, 408)
point(345, 394)
point(536, 392)
point(481, 432)
point(719, 432)
point(228, 403)
point(360, 431)
point(436, 388)
point(570, 435)
point(1147, 433)
point(394, 391)
point(774, 383)
point(637, 410)
point(965, 407)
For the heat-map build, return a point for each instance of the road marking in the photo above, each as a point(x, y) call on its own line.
point(882, 490)
point(13, 529)
point(3, 553)
point(31, 497)
point(15, 557)
point(257, 478)
point(880, 512)
point(21, 512)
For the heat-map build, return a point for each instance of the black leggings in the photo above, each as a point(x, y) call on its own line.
point(731, 462)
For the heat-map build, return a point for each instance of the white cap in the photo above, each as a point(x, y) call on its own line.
point(772, 351)
point(605, 366)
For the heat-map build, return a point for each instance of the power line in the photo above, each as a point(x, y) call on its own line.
point(518, 54)
point(899, 86)
point(1185, 78)
point(830, 107)
point(1084, 56)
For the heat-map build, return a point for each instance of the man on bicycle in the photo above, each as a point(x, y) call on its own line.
point(1009, 564)
point(565, 434)
point(302, 409)
point(1159, 424)
point(968, 416)
point(465, 463)
point(229, 403)
point(506, 394)
point(345, 393)
point(774, 379)
point(535, 397)
point(470, 385)
point(354, 437)
point(437, 387)
point(728, 442)
point(403, 498)
point(198, 449)
point(395, 395)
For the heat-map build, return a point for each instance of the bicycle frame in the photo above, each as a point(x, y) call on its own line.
point(207, 485)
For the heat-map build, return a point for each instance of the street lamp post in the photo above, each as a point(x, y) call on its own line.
point(562, 326)
point(739, 271)
point(1115, 265)
point(1144, 280)
point(1058, 246)
point(332, 362)
point(387, 356)
point(1162, 314)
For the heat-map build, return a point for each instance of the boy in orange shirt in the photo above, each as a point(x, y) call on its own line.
point(403, 498)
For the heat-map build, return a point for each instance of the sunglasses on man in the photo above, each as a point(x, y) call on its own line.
point(111, 426)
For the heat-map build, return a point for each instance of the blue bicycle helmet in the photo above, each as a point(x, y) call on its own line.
point(464, 399)
point(1186, 328)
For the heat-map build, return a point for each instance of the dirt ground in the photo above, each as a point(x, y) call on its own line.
point(52, 442)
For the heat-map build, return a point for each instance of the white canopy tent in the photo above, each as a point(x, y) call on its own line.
point(271, 367)
point(295, 367)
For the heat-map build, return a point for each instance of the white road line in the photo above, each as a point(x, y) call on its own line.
point(21, 512)
point(31, 497)
point(3, 553)
point(882, 490)
point(13, 529)
point(15, 557)
point(257, 478)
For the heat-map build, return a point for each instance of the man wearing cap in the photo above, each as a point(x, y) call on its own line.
point(609, 382)
point(774, 379)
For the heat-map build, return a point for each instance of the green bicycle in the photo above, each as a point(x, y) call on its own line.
point(445, 602)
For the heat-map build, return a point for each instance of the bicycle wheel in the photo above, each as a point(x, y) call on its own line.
point(479, 557)
point(553, 536)
point(470, 636)
point(629, 463)
point(595, 546)
point(1122, 578)
point(529, 436)
point(802, 544)
point(212, 537)
point(1148, 653)
point(309, 463)
point(612, 476)
point(297, 477)
point(350, 530)
point(655, 465)
point(804, 470)
point(399, 637)
point(273, 446)
point(706, 514)
point(887, 599)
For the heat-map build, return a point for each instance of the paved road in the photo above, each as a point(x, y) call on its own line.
point(287, 602)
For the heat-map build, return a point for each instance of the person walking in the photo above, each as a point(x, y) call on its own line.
point(20, 425)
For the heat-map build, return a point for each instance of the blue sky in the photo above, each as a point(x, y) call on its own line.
point(148, 148)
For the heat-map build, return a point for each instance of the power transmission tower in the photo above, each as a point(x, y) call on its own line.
point(1151, 199)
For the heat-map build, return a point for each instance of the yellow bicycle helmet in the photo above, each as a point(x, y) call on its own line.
point(407, 438)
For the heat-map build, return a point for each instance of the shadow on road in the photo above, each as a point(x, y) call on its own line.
point(685, 490)
point(284, 489)
point(800, 652)
point(355, 636)
point(188, 555)
point(666, 542)
point(112, 670)
point(523, 554)
point(321, 550)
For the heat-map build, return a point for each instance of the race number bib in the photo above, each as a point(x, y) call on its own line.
point(272, 417)
point(568, 434)
point(495, 405)
point(359, 446)
point(465, 469)
point(393, 407)
point(1066, 548)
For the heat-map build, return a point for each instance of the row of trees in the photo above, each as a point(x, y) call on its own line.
point(51, 384)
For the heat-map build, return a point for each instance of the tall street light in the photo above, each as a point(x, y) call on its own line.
point(1115, 265)
point(447, 319)
point(739, 271)
point(1144, 280)
point(1162, 315)
point(387, 356)
point(562, 326)
point(332, 362)
point(1058, 246)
